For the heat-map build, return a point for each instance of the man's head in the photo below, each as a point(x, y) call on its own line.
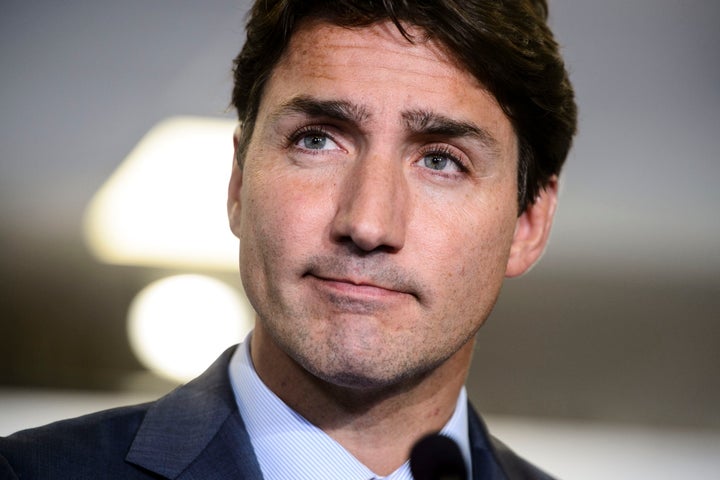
point(506, 45)
point(377, 196)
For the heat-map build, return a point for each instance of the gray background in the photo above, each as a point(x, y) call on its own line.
point(618, 323)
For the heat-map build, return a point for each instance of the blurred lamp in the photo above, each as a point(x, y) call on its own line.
point(178, 325)
point(165, 205)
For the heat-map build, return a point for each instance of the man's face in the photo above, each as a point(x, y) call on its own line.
point(376, 206)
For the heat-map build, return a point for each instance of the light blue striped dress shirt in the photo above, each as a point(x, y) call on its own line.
point(287, 446)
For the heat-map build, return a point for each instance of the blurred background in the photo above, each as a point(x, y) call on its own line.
point(604, 358)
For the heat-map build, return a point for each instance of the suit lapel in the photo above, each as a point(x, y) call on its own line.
point(195, 432)
point(492, 459)
point(228, 455)
point(485, 465)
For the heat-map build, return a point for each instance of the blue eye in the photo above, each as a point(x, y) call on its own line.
point(441, 161)
point(435, 161)
point(314, 141)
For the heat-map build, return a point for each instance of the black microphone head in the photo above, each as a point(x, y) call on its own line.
point(437, 457)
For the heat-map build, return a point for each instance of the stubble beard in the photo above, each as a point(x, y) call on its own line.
point(343, 359)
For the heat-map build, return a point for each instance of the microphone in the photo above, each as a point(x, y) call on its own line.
point(437, 457)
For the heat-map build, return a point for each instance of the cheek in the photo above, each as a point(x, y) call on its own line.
point(465, 250)
point(475, 231)
point(281, 217)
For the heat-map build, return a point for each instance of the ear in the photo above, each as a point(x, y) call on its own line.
point(532, 231)
point(233, 202)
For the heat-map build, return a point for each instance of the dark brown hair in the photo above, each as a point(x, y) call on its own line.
point(505, 44)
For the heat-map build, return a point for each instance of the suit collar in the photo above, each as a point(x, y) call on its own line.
point(198, 418)
point(485, 461)
point(196, 433)
point(492, 459)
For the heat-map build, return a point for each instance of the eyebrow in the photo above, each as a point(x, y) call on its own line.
point(334, 109)
point(424, 122)
point(418, 122)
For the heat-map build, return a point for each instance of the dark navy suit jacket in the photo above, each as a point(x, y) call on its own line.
point(194, 432)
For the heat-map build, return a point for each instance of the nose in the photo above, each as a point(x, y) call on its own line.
point(373, 205)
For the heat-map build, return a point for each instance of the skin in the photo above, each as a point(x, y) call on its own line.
point(377, 213)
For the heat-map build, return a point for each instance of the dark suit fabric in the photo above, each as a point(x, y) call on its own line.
point(194, 432)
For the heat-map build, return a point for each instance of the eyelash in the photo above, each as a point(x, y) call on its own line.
point(292, 139)
point(445, 151)
point(319, 130)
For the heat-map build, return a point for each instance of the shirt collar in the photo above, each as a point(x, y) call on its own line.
point(272, 426)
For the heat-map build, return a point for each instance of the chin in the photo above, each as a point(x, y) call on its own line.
point(367, 373)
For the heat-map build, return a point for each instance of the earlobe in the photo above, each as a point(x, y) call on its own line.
point(532, 231)
point(234, 189)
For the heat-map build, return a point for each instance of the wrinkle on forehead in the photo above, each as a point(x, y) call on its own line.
point(313, 36)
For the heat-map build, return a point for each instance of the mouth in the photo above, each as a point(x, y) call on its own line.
point(369, 281)
point(359, 289)
point(350, 285)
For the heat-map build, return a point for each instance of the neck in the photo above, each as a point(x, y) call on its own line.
point(378, 426)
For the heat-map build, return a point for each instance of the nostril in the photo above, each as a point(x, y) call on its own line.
point(366, 235)
point(360, 248)
point(372, 206)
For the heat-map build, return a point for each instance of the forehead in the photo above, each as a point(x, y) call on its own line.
point(378, 69)
point(320, 47)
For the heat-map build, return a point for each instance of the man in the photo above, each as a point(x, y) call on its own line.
point(394, 162)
